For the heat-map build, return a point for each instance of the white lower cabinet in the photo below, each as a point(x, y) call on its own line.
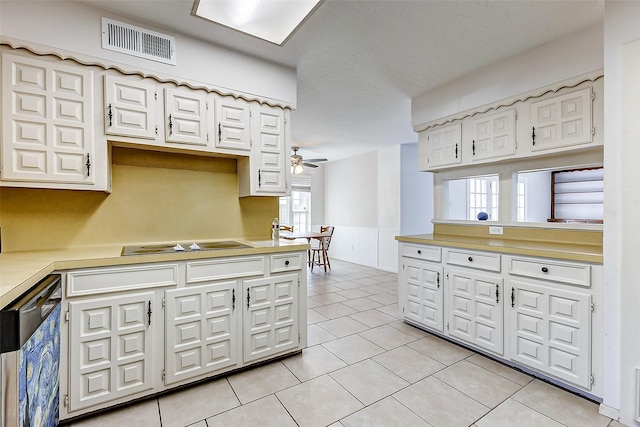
point(179, 322)
point(201, 330)
point(270, 325)
point(537, 313)
point(110, 342)
point(475, 313)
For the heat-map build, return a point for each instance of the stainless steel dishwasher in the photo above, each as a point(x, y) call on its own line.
point(30, 357)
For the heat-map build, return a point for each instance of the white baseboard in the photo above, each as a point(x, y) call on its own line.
point(609, 412)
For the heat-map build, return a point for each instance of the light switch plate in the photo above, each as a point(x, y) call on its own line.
point(495, 230)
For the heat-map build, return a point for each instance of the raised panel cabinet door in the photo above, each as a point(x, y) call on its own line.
point(424, 293)
point(269, 159)
point(47, 121)
point(130, 108)
point(186, 117)
point(233, 124)
point(110, 343)
point(270, 316)
point(443, 145)
point(550, 331)
point(562, 121)
point(476, 313)
point(493, 136)
point(201, 330)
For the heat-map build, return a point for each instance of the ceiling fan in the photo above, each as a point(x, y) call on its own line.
point(297, 162)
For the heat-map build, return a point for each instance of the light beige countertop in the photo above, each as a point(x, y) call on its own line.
point(19, 271)
point(559, 250)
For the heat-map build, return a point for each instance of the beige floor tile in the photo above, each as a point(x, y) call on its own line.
point(336, 424)
point(440, 404)
point(441, 350)
point(349, 284)
point(369, 381)
point(373, 289)
point(562, 406)
point(362, 304)
point(509, 411)
point(317, 335)
point(315, 317)
point(353, 293)
point(384, 298)
point(343, 326)
point(500, 369)
point(143, 414)
point(313, 362)
point(194, 404)
point(261, 381)
point(202, 423)
point(409, 329)
point(387, 337)
point(614, 423)
point(387, 412)
point(318, 402)
point(333, 311)
point(313, 304)
point(326, 299)
point(476, 382)
point(373, 318)
point(353, 348)
point(408, 363)
point(391, 310)
point(322, 289)
point(265, 412)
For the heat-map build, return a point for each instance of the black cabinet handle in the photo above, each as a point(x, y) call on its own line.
point(233, 299)
point(456, 150)
point(170, 125)
point(149, 313)
point(513, 297)
point(419, 252)
point(248, 297)
point(470, 259)
point(286, 262)
point(545, 270)
point(259, 178)
point(533, 135)
point(110, 115)
point(219, 132)
point(473, 148)
point(497, 293)
point(438, 280)
point(88, 164)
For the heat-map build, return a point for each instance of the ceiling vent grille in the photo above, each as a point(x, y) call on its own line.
point(136, 41)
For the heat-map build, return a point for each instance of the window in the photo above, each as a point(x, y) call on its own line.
point(522, 201)
point(465, 198)
point(295, 210)
point(577, 195)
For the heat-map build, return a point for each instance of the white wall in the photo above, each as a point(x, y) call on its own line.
point(562, 59)
point(73, 26)
point(416, 194)
point(537, 196)
point(362, 200)
point(622, 206)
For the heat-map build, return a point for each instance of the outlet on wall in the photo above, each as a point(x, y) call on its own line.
point(495, 230)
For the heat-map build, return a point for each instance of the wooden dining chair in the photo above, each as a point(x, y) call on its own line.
point(286, 228)
point(319, 253)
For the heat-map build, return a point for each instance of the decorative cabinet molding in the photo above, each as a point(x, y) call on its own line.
point(49, 137)
point(130, 107)
point(234, 124)
point(441, 146)
point(187, 117)
point(534, 313)
point(123, 342)
point(494, 136)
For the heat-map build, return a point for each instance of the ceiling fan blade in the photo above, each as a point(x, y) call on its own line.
point(311, 165)
point(315, 160)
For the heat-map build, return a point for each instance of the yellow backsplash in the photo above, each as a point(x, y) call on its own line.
point(155, 197)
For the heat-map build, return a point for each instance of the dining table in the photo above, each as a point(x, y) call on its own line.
point(292, 235)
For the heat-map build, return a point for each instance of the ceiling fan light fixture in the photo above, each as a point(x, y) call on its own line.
point(298, 169)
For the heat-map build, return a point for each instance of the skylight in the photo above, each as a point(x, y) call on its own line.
point(271, 20)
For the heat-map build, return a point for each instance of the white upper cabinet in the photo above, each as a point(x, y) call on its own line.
point(234, 124)
point(186, 117)
point(441, 146)
point(562, 121)
point(48, 132)
point(493, 136)
point(130, 107)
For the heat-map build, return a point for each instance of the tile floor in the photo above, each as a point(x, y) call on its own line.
point(365, 367)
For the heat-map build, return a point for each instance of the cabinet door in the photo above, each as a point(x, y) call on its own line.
point(110, 342)
point(186, 117)
point(130, 107)
point(47, 121)
point(476, 314)
point(233, 128)
point(562, 121)
point(493, 136)
point(550, 330)
point(424, 293)
point(271, 316)
point(443, 145)
point(269, 156)
point(201, 330)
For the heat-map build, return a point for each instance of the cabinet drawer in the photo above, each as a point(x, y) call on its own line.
point(224, 268)
point(424, 252)
point(102, 280)
point(480, 260)
point(557, 271)
point(286, 262)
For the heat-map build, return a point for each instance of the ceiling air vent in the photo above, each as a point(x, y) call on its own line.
point(136, 41)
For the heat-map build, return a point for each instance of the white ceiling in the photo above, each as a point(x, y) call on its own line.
point(359, 62)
